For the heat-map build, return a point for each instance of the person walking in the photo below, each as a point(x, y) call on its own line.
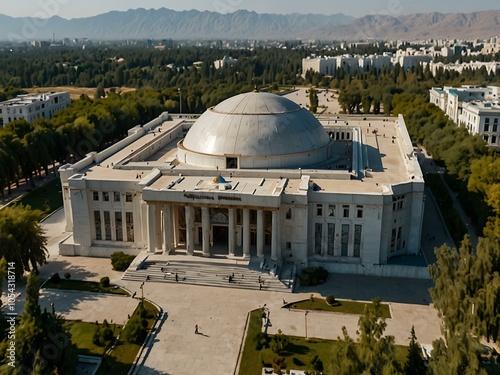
point(196, 329)
point(176, 278)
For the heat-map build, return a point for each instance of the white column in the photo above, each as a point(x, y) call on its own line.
point(274, 236)
point(159, 237)
point(231, 231)
point(246, 233)
point(260, 233)
point(190, 230)
point(175, 226)
point(151, 228)
point(167, 229)
point(205, 223)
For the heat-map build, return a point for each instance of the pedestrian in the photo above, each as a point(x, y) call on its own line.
point(162, 269)
point(147, 278)
point(196, 329)
point(260, 286)
point(176, 278)
point(259, 280)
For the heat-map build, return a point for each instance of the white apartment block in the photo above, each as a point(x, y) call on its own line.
point(482, 118)
point(226, 61)
point(30, 107)
point(324, 65)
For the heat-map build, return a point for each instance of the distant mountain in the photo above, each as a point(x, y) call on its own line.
point(165, 23)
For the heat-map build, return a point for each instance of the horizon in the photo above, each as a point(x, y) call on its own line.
point(68, 9)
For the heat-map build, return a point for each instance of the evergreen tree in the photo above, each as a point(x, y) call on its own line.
point(414, 363)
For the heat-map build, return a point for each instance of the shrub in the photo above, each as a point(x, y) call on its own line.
point(67, 275)
point(330, 299)
point(134, 331)
point(103, 335)
point(121, 261)
point(311, 276)
point(104, 281)
point(261, 341)
point(55, 278)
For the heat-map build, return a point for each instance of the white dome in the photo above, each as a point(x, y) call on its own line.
point(256, 124)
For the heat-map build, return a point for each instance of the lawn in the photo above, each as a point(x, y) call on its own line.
point(46, 198)
point(346, 307)
point(84, 286)
point(121, 358)
point(298, 354)
point(82, 335)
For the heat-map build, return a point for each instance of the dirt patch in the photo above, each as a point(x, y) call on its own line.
point(74, 91)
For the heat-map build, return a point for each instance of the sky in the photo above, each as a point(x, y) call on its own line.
point(356, 8)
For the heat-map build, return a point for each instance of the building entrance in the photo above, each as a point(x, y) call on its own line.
point(220, 235)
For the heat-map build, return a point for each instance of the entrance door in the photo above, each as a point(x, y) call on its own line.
point(220, 235)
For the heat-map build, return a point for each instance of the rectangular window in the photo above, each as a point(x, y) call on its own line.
point(116, 196)
point(398, 202)
point(288, 214)
point(331, 210)
point(344, 240)
point(493, 139)
point(359, 212)
point(118, 226)
point(357, 241)
point(105, 196)
point(97, 225)
point(318, 233)
point(393, 240)
point(128, 197)
point(319, 210)
point(495, 127)
point(95, 195)
point(129, 217)
point(231, 163)
point(398, 242)
point(486, 127)
point(331, 238)
point(345, 209)
point(107, 225)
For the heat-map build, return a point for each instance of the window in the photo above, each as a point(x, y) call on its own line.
point(359, 212)
point(331, 210)
point(331, 238)
point(129, 217)
point(118, 226)
point(116, 196)
point(319, 210)
point(95, 195)
point(107, 225)
point(493, 139)
point(105, 196)
point(128, 197)
point(486, 127)
point(398, 202)
point(289, 246)
point(398, 242)
point(231, 163)
point(97, 225)
point(495, 126)
point(357, 241)
point(288, 214)
point(393, 240)
point(486, 138)
point(344, 240)
point(318, 233)
point(345, 209)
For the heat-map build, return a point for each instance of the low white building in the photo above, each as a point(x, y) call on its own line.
point(226, 61)
point(324, 65)
point(482, 118)
point(255, 176)
point(33, 106)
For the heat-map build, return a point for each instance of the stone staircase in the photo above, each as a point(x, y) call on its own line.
point(208, 272)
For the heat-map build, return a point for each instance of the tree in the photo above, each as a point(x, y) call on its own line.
point(3, 275)
point(313, 100)
point(22, 239)
point(43, 345)
point(414, 363)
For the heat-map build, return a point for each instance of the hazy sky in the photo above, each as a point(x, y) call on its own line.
point(356, 8)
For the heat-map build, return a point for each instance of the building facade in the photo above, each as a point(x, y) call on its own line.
point(30, 107)
point(256, 175)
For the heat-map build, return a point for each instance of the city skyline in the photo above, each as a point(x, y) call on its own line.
point(71, 9)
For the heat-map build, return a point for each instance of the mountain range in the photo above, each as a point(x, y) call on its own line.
point(169, 24)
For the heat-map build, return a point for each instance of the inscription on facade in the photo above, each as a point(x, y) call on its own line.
point(210, 197)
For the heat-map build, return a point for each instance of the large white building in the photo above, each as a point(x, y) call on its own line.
point(482, 118)
point(30, 107)
point(255, 176)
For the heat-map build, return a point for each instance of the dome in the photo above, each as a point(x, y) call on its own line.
point(258, 125)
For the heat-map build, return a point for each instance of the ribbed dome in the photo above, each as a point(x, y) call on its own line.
point(256, 124)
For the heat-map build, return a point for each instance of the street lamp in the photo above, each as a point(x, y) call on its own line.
point(142, 291)
point(180, 100)
point(305, 320)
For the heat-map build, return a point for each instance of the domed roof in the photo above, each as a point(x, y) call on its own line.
point(256, 124)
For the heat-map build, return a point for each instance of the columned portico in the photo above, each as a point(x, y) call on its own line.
point(231, 231)
point(190, 230)
point(205, 222)
point(246, 233)
point(260, 233)
point(168, 244)
point(274, 237)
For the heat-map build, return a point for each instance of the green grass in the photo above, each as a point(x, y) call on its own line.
point(84, 286)
point(82, 334)
point(121, 358)
point(46, 198)
point(298, 354)
point(346, 307)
